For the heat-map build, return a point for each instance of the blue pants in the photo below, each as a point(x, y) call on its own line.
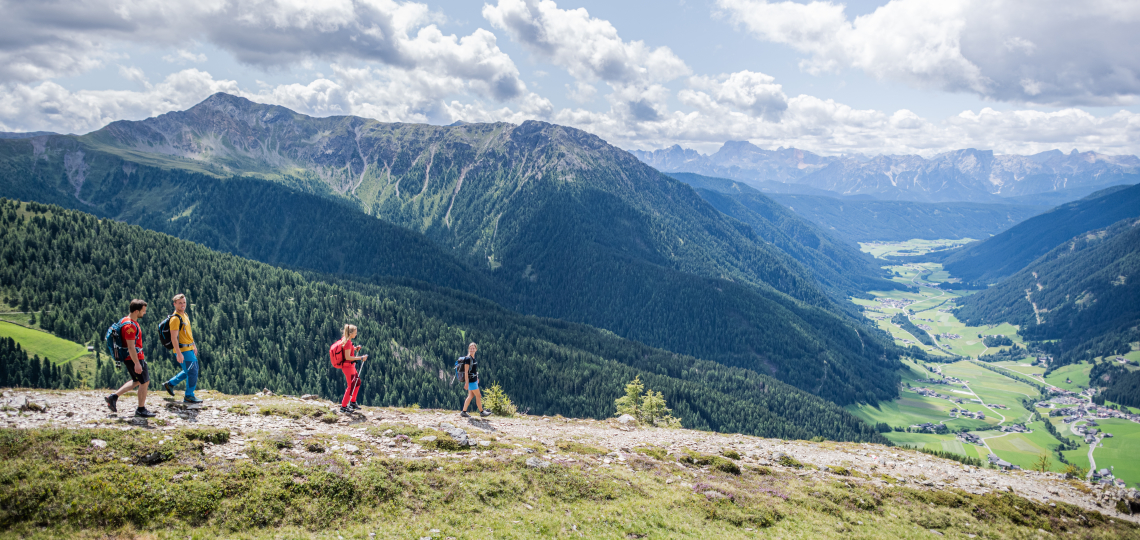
point(189, 372)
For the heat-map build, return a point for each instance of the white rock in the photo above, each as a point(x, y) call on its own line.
point(429, 438)
point(350, 449)
point(537, 463)
point(626, 419)
point(98, 443)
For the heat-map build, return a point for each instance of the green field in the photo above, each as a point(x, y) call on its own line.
point(1024, 448)
point(1077, 373)
point(58, 350)
point(930, 441)
point(1120, 450)
point(931, 307)
point(912, 408)
point(909, 247)
point(994, 388)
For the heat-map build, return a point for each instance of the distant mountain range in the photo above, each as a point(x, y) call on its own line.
point(960, 175)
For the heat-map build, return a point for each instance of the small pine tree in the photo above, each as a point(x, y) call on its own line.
point(648, 408)
point(1043, 463)
point(32, 319)
point(497, 401)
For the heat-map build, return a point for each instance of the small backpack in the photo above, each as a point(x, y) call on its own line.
point(114, 341)
point(164, 331)
point(336, 353)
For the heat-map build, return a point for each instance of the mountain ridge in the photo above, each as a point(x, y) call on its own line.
point(960, 175)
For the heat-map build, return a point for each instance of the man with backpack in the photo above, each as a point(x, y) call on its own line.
point(125, 338)
point(185, 349)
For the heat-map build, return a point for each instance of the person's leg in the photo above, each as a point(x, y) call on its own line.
point(142, 394)
point(355, 387)
point(126, 387)
point(478, 399)
point(190, 367)
point(181, 375)
point(467, 402)
point(350, 381)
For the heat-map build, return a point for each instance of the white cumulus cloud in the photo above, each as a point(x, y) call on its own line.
point(1042, 51)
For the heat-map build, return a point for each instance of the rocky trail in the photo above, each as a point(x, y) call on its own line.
point(542, 441)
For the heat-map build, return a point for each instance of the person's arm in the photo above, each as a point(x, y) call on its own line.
point(133, 353)
point(467, 373)
point(175, 329)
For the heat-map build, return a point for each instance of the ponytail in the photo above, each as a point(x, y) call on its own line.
point(349, 329)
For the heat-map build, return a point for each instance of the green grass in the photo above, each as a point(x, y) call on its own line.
point(993, 388)
point(927, 303)
point(56, 484)
point(1121, 450)
point(915, 246)
point(1024, 448)
point(1077, 373)
point(932, 441)
point(58, 350)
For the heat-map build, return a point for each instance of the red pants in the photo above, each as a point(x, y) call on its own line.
point(353, 382)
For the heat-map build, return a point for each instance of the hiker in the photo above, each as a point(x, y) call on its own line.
point(470, 369)
point(186, 352)
point(347, 364)
point(131, 334)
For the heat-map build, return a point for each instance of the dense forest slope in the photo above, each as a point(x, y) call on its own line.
point(554, 221)
point(1003, 255)
point(1085, 293)
point(260, 326)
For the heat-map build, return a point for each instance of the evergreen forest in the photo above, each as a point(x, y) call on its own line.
point(260, 326)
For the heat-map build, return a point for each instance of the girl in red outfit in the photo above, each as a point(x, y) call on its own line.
point(348, 366)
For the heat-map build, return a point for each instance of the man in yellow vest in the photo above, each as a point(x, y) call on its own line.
point(186, 351)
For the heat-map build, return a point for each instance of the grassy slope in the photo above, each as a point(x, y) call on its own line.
point(62, 486)
point(59, 351)
point(1120, 451)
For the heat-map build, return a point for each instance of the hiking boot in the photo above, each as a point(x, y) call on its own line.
point(464, 414)
point(111, 401)
point(141, 412)
point(354, 406)
point(345, 410)
point(484, 413)
point(169, 388)
point(191, 399)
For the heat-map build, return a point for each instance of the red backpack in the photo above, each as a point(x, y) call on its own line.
point(336, 353)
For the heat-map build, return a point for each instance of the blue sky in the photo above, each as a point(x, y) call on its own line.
point(906, 76)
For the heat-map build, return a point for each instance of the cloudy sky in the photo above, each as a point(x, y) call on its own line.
point(867, 76)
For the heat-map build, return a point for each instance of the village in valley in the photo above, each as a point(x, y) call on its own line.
point(994, 404)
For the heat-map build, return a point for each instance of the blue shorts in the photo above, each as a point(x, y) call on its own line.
point(473, 386)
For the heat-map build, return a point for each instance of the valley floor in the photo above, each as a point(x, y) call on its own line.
point(267, 466)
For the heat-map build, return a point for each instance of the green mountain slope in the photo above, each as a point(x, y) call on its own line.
point(262, 326)
point(1084, 293)
point(558, 223)
point(842, 269)
point(1003, 255)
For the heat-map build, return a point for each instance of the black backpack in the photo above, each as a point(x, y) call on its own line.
point(164, 331)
